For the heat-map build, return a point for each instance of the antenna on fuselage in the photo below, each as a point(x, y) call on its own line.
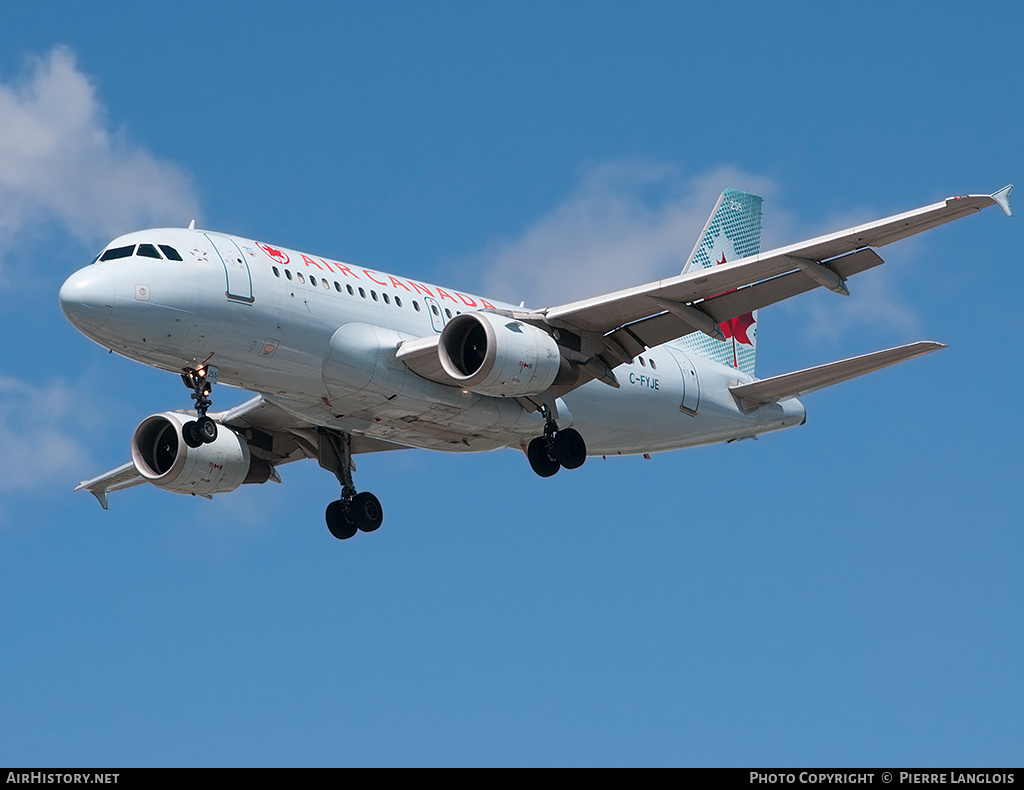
point(192, 225)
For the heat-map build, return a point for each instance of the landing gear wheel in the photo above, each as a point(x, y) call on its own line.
point(190, 433)
point(542, 463)
point(339, 520)
point(366, 511)
point(206, 429)
point(570, 449)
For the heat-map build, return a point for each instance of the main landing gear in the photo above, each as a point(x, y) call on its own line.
point(556, 448)
point(354, 512)
point(203, 429)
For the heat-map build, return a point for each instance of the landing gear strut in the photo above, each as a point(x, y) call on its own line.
point(353, 512)
point(202, 430)
point(556, 448)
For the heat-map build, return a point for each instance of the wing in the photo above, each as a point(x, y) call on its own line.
point(272, 434)
point(612, 329)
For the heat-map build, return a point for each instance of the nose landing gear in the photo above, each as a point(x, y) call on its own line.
point(203, 429)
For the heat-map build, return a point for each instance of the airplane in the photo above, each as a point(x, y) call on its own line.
point(347, 360)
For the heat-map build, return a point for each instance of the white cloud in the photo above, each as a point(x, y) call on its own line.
point(41, 434)
point(627, 223)
point(874, 303)
point(60, 162)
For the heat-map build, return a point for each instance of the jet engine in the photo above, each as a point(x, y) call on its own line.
point(492, 355)
point(161, 455)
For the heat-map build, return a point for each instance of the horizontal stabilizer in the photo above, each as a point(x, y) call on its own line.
point(792, 385)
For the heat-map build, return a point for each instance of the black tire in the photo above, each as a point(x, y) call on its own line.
point(339, 520)
point(206, 429)
point(367, 512)
point(570, 449)
point(542, 463)
point(190, 433)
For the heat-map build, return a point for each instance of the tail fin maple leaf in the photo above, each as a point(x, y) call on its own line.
point(736, 328)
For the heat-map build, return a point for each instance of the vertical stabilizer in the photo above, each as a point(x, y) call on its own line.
point(733, 231)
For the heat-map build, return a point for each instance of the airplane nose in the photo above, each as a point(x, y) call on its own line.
point(87, 298)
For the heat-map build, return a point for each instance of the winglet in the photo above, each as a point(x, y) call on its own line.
point(101, 495)
point(1002, 197)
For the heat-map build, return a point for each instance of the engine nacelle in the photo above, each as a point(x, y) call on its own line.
point(161, 456)
point(492, 355)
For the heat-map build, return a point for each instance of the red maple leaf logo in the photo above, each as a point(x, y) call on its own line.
point(736, 328)
point(278, 255)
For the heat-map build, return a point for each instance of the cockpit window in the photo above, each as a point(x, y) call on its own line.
point(170, 252)
point(148, 251)
point(117, 252)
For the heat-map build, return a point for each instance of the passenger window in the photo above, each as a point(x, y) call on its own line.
point(653, 366)
point(415, 305)
point(148, 251)
point(374, 295)
point(170, 252)
point(117, 252)
point(362, 293)
point(350, 291)
point(312, 280)
point(398, 301)
point(300, 278)
point(642, 363)
point(288, 273)
point(448, 312)
point(337, 286)
point(387, 299)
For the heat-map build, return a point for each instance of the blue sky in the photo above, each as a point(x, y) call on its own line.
point(845, 593)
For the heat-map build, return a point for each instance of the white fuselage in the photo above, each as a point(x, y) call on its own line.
point(318, 339)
